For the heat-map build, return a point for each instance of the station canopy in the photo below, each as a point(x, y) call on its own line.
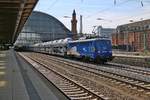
point(13, 15)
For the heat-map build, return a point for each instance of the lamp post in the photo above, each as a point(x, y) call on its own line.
point(104, 19)
point(131, 20)
point(99, 28)
point(145, 45)
point(66, 16)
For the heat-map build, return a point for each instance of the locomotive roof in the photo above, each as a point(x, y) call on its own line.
point(87, 40)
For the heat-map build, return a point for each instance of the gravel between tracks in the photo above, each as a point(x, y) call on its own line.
point(115, 70)
point(98, 83)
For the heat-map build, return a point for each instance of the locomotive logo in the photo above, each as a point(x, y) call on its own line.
point(73, 51)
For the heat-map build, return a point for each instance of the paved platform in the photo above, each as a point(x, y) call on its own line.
point(129, 54)
point(19, 81)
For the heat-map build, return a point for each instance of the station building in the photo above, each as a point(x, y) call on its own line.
point(133, 36)
point(105, 32)
point(41, 27)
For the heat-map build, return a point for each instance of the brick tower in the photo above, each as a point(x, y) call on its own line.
point(74, 25)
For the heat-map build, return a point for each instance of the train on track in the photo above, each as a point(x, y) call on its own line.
point(96, 49)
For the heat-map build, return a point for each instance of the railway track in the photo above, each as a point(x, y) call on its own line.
point(132, 82)
point(134, 69)
point(141, 87)
point(128, 68)
point(71, 88)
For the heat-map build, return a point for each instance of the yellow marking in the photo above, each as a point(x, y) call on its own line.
point(2, 73)
point(2, 68)
point(2, 83)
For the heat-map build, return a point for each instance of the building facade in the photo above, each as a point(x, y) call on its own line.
point(41, 27)
point(133, 37)
point(105, 32)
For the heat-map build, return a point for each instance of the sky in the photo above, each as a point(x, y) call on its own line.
point(112, 12)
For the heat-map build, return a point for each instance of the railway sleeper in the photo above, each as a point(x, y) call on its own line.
point(75, 92)
point(148, 88)
point(66, 85)
point(66, 88)
point(72, 90)
point(123, 84)
point(144, 86)
point(78, 95)
point(140, 90)
point(118, 83)
point(82, 98)
point(64, 82)
point(134, 82)
point(147, 85)
point(148, 93)
point(134, 88)
point(142, 83)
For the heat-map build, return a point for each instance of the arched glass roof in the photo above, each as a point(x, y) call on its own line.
point(41, 27)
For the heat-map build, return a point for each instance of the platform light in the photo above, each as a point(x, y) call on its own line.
point(100, 19)
point(104, 19)
point(66, 16)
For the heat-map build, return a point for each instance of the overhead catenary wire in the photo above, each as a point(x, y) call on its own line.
point(114, 2)
point(107, 9)
point(52, 4)
point(137, 15)
point(142, 3)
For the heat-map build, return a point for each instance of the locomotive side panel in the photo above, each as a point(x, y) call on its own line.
point(81, 49)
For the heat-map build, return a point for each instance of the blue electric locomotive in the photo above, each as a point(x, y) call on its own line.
point(98, 49)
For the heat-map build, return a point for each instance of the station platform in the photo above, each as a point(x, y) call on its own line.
point(19, 81)
point(129, 54)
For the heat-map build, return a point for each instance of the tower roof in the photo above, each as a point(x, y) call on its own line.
point(74, 12)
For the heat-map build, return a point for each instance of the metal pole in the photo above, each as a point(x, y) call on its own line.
point(127, 41)
point(145, 46)
point(81, 26)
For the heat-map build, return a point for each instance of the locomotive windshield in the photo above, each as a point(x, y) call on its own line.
point(103, 45)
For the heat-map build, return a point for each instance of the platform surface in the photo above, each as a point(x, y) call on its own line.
point(129, 54)
point(19, 81)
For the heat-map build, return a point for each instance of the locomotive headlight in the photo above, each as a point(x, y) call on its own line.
point(99, 51)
